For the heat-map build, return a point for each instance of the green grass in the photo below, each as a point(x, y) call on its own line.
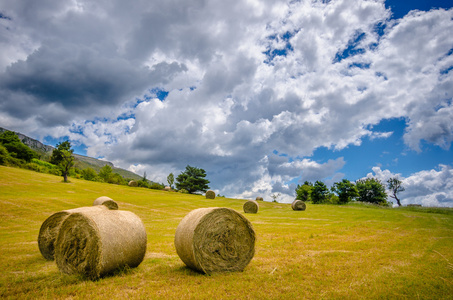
point(326, 252)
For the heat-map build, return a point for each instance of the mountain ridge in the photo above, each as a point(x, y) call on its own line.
point(81, 161)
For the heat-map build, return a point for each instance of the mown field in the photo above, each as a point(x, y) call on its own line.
point(325, 252)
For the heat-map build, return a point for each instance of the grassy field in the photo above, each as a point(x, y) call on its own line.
point(325, 252)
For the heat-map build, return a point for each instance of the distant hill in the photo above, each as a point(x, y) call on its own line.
point(81, 161)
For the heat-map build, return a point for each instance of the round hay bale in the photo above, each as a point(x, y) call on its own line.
point(133, 183)
point(259, 198)
point(210, 194)
point(215, 239)
point(298, 205)
point(51, 226)
point(106, 201)
point(95, 243)
point(251, 207)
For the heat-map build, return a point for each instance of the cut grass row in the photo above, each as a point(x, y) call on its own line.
point(350, 251)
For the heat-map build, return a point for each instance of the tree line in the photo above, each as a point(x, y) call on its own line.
point(370, 190)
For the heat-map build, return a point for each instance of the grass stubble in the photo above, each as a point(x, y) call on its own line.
point(326, 252)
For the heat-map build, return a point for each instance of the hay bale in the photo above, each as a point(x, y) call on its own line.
point(51, 226)
point(133, 183)
point(106, 201)
point(215, 239)
point(95, 243)
point(298, 205)
point(259, 199)
point(210, 194)
point(251, 207)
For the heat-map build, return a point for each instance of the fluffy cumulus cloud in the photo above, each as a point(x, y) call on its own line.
point(428, 188)
point(251, 87)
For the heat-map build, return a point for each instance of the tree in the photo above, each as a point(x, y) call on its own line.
point(170, 179)
point(15, 147)
point(89, 174)
point(371, 190)
point(319, 193)
point(395, 186)
point(303, 192)
point(275, 197)
point(345, 190)
point(105, 173)
point(192, 180)
point(63, 158)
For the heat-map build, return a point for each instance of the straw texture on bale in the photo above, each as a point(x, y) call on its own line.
point(298, 205)
point(95, 243)
point(106, 201)
point(259, 198)
point(215, 239)
point(133, 183)
point(210, 194)
point(48, 232)
point(251, 207)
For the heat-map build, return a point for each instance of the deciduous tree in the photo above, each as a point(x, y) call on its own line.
point(63, 158)
point(345, 190)
point(395, 186)
point(371, 190)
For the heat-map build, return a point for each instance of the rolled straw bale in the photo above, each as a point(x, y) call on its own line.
point(95, 243)
point(133, 183)
point(49, 229)
point(210, 194)
point(298, 205)
point(106, 201)
point(251, 207)
point(215, 239)
point(259, 198)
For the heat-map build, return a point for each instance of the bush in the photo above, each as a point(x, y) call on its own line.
point(184, 191)
point(3, 155)
point(89, 174)
point(156, 186)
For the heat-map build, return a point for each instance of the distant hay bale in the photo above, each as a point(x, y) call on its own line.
point(215, 239)
point(95, 243)
point(210, 194)
point(251, 207)
point(167, 188)
point(298, 205)
point(133, 183)
point(106, 201)
point(51, 226)
point(259, 199)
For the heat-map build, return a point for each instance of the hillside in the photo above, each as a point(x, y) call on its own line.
point(81, 162)
point(326, 252)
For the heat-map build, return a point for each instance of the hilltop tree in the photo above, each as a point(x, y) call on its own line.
point(63, 158)
point(303, 192)
point(371, 190)
point(320, 192)
point(395, 186)
point(345, 190)
point(192, 180)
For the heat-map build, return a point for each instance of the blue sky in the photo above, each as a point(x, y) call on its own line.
point(263, 95)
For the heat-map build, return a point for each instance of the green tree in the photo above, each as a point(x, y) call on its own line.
point(105, 172)
point(170, 179)
point(89, 174)
point(345, 190)
point(371, 190)
point(192, 180)
point(3, 155)
point(303, 192)
point(63, 158)
point(320, 192)
point(15, 147)
point(395, 186)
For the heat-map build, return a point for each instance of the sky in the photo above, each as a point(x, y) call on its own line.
point(261, 94)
